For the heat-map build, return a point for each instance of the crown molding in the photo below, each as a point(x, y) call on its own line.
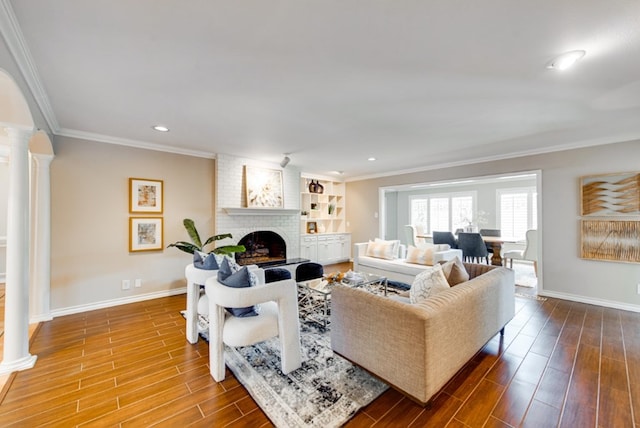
point(512, 155)
point(72, 133)
point(20, 51)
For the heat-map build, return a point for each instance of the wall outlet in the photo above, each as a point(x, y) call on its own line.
point(138, 283)
point(126, 284)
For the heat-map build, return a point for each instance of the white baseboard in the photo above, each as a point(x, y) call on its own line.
point(116, 302)
point(590, 301)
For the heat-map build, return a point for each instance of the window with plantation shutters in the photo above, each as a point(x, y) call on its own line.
point(442, 212)
point(517, 209)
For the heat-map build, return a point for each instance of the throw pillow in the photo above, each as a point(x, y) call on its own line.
point(205, 261)
point(441, 247)
point(455, 271)
point(240, 279)
point(420, 256)
point(428, 283)
point(227, 267)
point(380, 250)
point(395, 246)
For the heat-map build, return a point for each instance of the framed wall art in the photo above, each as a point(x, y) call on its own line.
point(611, 240)
point(145, 196)
point(263, 187)
point(146, 234)
point(610, 194)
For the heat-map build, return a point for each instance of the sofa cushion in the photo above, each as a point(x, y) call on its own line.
point(381, 249)
point(455, 272)
point(395, 265)
point(423, 256)
point(428, 283)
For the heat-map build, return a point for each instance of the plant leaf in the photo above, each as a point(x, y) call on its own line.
point(216, 238)
point(193, 232)
point(230, 249)
point(187, 247)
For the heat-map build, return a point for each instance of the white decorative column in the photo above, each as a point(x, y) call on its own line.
point(40, 288)
point(16, 318)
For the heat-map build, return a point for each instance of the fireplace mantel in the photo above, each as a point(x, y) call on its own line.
point(261, 211)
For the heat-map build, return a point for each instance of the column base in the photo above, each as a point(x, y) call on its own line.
point(24, 363)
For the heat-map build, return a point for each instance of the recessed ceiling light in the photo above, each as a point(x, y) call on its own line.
point(566, 60)
point(371, 159)
point(161, 128)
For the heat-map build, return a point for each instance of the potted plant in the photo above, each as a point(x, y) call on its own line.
point(197, 245)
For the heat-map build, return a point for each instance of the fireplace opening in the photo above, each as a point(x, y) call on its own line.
point(264, 248)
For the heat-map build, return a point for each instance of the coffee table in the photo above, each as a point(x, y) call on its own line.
point(314, 296)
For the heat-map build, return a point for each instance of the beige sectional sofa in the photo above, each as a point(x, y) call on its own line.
point(418, 348)
point(396, 268)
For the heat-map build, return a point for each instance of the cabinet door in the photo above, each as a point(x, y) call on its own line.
point(309, 248)
point(345, 247)
point(324, 250)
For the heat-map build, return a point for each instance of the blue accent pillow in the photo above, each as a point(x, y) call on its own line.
point(227, 267)
point(205, 261)
point(239, 279)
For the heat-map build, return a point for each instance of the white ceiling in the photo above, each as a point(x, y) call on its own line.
point(415, 83)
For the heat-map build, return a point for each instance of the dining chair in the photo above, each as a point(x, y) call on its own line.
point(445, 238)
point(530, 251)
point(473, 247)
point(410, 234)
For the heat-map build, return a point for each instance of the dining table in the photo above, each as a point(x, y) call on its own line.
point(494, 242)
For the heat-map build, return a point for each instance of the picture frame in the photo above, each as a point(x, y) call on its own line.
point(312, 227)
point(610, 240)
point(146, 196)
point(146, 234)
point(263, 187)
point(610, 194)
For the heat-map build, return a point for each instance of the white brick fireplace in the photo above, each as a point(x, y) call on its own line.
point(230, 193)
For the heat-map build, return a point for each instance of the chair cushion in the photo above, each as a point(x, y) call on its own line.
point(205, 261)
point(428, 283)
point(455, 272)
point(247, 331)
point(240, 279)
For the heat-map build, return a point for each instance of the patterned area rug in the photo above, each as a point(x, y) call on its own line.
point(325, 392)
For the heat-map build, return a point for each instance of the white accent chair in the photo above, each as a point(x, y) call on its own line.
point(195, 278)
point(530, 251)
point(278, 316)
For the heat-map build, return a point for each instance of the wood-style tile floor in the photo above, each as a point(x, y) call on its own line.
point(559, 364)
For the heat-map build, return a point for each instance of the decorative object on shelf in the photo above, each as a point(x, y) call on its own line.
point(197, 245)
point(321, 228)
point(331, 208)
point(314, 206)
point(263, 187)
point(145, 196)
point(315, 187)
point(145, 234)
point(610, 240)
point(611, 194)
point(312, 227)
point(303, 214)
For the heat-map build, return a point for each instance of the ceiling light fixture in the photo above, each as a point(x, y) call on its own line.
point(371, 159)
point(566, 60)
point(160, 128)
point(284, 162)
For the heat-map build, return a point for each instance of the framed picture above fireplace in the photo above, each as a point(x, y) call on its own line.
point(263, 187)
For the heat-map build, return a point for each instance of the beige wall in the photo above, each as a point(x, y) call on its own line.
point(565, 275)
point(90, 221)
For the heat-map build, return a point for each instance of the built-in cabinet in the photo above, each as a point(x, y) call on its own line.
point(322, 223)
point(326, 248)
